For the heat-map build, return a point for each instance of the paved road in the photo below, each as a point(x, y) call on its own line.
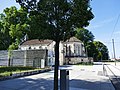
point(81, 78)
point(35, 82)
point(90, 78)
point(113, 71)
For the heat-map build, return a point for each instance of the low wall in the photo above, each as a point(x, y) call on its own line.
point(22, 74)
point(17, 58)
point(76, 60)
point(28, 57)
point(3, 58)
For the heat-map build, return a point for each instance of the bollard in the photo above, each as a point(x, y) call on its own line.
point(64, 79)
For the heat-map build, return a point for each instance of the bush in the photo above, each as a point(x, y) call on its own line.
point(85, 63)
point(7, 71)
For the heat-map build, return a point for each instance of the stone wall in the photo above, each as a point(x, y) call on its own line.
point(3, 58)
point(17, 58)
point(34, 57)
point(28, 57)
point(76, 60)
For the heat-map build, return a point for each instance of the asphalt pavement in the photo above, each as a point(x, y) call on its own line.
point(80, 78)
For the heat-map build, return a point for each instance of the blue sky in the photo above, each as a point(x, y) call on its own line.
point(106, 23)
point(107, 14)
point(7, 3)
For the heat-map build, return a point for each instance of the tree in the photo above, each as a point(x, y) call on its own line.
point(5, 39)
point(84, 35)
point(92, 51)
point(13, 28)
point(58, 19)
point(15, 25)
point(97, 50)
point(102, 49)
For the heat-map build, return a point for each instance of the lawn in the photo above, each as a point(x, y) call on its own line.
point(6, 71)
point(85, 63)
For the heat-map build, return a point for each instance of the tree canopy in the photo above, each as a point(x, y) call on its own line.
point(84, 35)
point(102, 49)
point(5, 39)
point(57, 17)
point(95, 49)
point(57, 20)
point(14, 25)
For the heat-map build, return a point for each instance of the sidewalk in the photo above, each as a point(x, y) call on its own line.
point(113, 71)
point(89, 78)
point(80, 77)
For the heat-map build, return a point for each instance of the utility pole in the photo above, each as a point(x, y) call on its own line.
point(114, 51)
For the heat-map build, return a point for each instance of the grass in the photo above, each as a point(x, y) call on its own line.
point(85, 63)
point(7, 71)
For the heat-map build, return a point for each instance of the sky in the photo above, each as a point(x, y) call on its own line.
point(105, 26)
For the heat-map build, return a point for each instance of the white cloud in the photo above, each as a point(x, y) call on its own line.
point(100, 24)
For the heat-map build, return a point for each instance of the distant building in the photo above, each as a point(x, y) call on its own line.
point(70, 52)
point(36, 44)
point(74, 51)
point(74, 47)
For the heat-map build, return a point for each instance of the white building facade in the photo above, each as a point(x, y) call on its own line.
point(69, 50)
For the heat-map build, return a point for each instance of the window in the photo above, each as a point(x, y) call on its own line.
point(69, 51)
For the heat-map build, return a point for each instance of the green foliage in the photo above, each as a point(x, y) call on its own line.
point(7, 71)
point(13, 46)
point(92, 50)
point(15, 68)
point(5, 39)
point(14, 26)
point(84, 35)
point(56, 20)
point(102, 49)
point(85, 63)
point(97, 50)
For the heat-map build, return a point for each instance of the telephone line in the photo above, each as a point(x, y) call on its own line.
point(114, 27)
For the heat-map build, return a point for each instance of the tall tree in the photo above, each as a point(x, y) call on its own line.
point(58, 18)
point(92, 51)
point(84, 35)
point(87, 38)
point(102, 49)
point(15, 25)
point(5, 39)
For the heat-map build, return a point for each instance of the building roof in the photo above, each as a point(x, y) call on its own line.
point(74, 39)
point(37, 42)
point(47, 41)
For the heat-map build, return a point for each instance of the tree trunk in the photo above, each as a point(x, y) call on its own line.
point(9, 61)
point(56, 65)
